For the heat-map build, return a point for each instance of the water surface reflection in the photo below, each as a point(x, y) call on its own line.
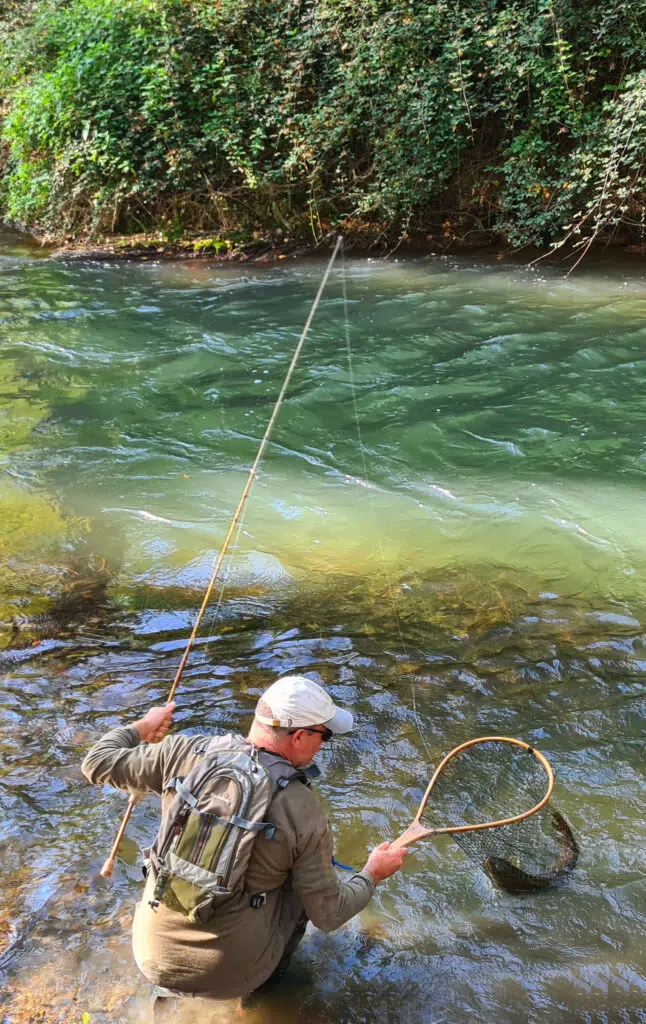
point(482, 571)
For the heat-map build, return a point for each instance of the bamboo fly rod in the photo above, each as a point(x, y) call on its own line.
point(108, 867)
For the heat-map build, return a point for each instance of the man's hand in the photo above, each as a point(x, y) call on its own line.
point(384, 862)
point(155, 724)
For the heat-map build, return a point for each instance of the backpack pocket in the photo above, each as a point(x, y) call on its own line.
point(191, 859)
point(201, 840)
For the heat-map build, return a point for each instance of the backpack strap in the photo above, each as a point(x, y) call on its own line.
point(178, 785)
point(280, 771)
point(251, 826)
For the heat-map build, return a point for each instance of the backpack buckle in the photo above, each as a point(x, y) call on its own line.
point(258, 900)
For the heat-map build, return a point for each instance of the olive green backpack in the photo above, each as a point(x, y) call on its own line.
point(201, 852)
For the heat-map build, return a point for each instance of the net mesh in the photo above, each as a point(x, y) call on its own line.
point(496, 780)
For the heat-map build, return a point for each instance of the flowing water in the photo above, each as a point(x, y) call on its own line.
point(449, 533)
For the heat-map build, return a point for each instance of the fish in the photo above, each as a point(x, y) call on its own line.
point(514, 880)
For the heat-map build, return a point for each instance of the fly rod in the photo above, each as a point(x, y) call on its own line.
point(108, 867)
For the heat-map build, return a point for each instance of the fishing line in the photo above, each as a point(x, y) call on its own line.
point(229, 566)
point(390, 587)
point(108, 866)
point(252, 472)
point(489, 794)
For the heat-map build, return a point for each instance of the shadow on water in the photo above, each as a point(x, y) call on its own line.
point(53, 580)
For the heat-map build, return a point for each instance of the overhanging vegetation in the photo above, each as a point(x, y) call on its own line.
point(393, 118)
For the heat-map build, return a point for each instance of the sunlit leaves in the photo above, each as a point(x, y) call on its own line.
point(123, 114)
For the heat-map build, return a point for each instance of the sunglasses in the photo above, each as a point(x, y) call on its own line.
point(325, 734)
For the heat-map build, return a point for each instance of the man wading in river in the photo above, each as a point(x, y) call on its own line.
point(228, 895)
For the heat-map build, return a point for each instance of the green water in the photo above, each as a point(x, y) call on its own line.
point(451, 537)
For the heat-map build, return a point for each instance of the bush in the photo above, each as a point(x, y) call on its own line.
point(523, 118)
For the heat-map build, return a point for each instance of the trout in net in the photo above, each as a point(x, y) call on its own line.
point(530, 856)
point(496, 780)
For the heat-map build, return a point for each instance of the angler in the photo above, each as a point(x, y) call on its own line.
point(243, 856)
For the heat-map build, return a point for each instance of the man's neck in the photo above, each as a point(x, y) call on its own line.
point(260, 738)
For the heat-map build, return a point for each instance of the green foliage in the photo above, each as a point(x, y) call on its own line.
point(212, 245)
point(522, 117)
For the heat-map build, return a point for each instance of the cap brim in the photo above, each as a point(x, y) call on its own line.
point(340, 723)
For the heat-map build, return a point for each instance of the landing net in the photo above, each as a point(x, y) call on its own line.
point(492, 781)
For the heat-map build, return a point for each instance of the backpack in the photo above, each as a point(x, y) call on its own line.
point(202, 849)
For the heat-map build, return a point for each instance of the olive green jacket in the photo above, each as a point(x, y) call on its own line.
point(241, 945)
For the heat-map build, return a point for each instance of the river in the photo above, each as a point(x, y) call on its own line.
point(448, 532)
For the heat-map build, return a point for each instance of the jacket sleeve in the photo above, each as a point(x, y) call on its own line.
point(327, 900)
point(121, 760)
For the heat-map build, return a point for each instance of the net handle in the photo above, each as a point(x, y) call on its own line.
point(416, 830)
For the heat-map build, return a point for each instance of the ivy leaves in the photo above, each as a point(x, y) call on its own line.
point(523, 117)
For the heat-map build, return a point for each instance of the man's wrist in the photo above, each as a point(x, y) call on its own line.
point(368, 878)
point(365, 871)
point(141, 732)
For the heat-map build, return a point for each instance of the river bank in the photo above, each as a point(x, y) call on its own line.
point(275, 247)
point(425, 127)
point(239, 246)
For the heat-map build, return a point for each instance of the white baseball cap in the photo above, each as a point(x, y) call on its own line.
point(296, 702)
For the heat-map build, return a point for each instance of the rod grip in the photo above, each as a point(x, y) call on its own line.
point(108, 867)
